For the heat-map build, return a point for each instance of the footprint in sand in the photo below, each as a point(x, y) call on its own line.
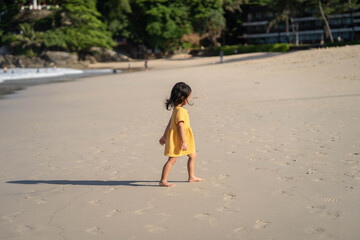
point(207, 217)
point(318, 180)
point(320, 154)
point(145, 210)
point(223, 176)
point(95, 202)
point(157, 227)
point(286, 191)
point(219, 180)
point(350, 162)
point(61, 189)
point(321, 209)
point(23, 228)
point(330, 199)
point(94, 230)
point(317, 209)
point(315, 230)
point(113, 213)
point(227, 201)
point(10, 218)
point(110, 190)
point(320, 147)
point(229, 196)
point(287, 178)
point(41, 201)
point(311, 171)
point(98, 150)
point(239, 233)
point(261, 224)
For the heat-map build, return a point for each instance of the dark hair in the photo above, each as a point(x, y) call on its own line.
point(179, 93)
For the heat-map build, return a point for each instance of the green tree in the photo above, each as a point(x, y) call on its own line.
point(234, 5)
point(28, 38)
point(159, 24)
point(8, 10)
point(115, 16)
point(233, 14)
point(167, 23)
point(283, 11)
point(324, 8)
point(215, 24)
point(83, 28)
point(55, 38)
point(207, 18)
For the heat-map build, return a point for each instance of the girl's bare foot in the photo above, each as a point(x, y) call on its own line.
point(196, 179)
point(166, 184)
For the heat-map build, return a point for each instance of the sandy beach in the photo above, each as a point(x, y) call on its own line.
point(277, 138)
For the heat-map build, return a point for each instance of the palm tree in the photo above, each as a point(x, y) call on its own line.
point(327, 26)
point(29, 38)
point(283, 12)
point(283, 16)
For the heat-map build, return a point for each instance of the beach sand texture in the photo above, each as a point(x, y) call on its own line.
point(277, 135)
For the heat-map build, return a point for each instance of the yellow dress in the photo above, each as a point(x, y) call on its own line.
point(173, 139)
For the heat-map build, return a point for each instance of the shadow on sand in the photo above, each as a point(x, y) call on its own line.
point(240, 57)
point(134, 183)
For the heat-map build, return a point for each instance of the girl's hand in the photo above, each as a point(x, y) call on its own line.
point(184, 146)
point(162, 140)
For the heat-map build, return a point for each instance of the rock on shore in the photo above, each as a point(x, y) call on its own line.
point(61, 59)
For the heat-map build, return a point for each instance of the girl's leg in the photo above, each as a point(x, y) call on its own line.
point(165, 172)
point(191, 169)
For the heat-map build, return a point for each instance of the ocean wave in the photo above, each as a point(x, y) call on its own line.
point(35, 73)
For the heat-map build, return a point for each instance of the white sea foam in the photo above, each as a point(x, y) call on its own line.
point(35, 73)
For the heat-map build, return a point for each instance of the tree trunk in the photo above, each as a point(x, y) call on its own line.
point(352, 21)
point(327, 26)
point(293, 30)
point(287, 29)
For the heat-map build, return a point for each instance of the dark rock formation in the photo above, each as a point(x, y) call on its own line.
point(61, 59)
point(106, 55)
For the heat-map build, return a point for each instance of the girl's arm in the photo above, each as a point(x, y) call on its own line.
point(182, 136)
point(163, 138)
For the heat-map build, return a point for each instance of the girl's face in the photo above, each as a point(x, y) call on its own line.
point(186, 100)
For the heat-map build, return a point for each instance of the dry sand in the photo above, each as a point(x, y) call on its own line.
point(277, 135)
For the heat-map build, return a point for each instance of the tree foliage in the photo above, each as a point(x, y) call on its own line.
point(79, 25)
point(115, 16)
point(73, 27)
point(203, 16)
point(84, 29)
point(167, 23)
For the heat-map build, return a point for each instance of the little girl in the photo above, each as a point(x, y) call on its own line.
point(178, 137)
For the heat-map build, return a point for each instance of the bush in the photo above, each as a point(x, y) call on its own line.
point(8, 39)
point(338, 44)
point(229, 50)
point(280, 47)
point(234, 49)
point(277, 47)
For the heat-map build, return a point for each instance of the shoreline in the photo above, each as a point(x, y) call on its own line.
point(13, 86)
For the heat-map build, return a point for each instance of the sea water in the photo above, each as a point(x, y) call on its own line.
point(38, 73)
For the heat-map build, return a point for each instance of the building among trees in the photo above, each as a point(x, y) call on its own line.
point(261, 25)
